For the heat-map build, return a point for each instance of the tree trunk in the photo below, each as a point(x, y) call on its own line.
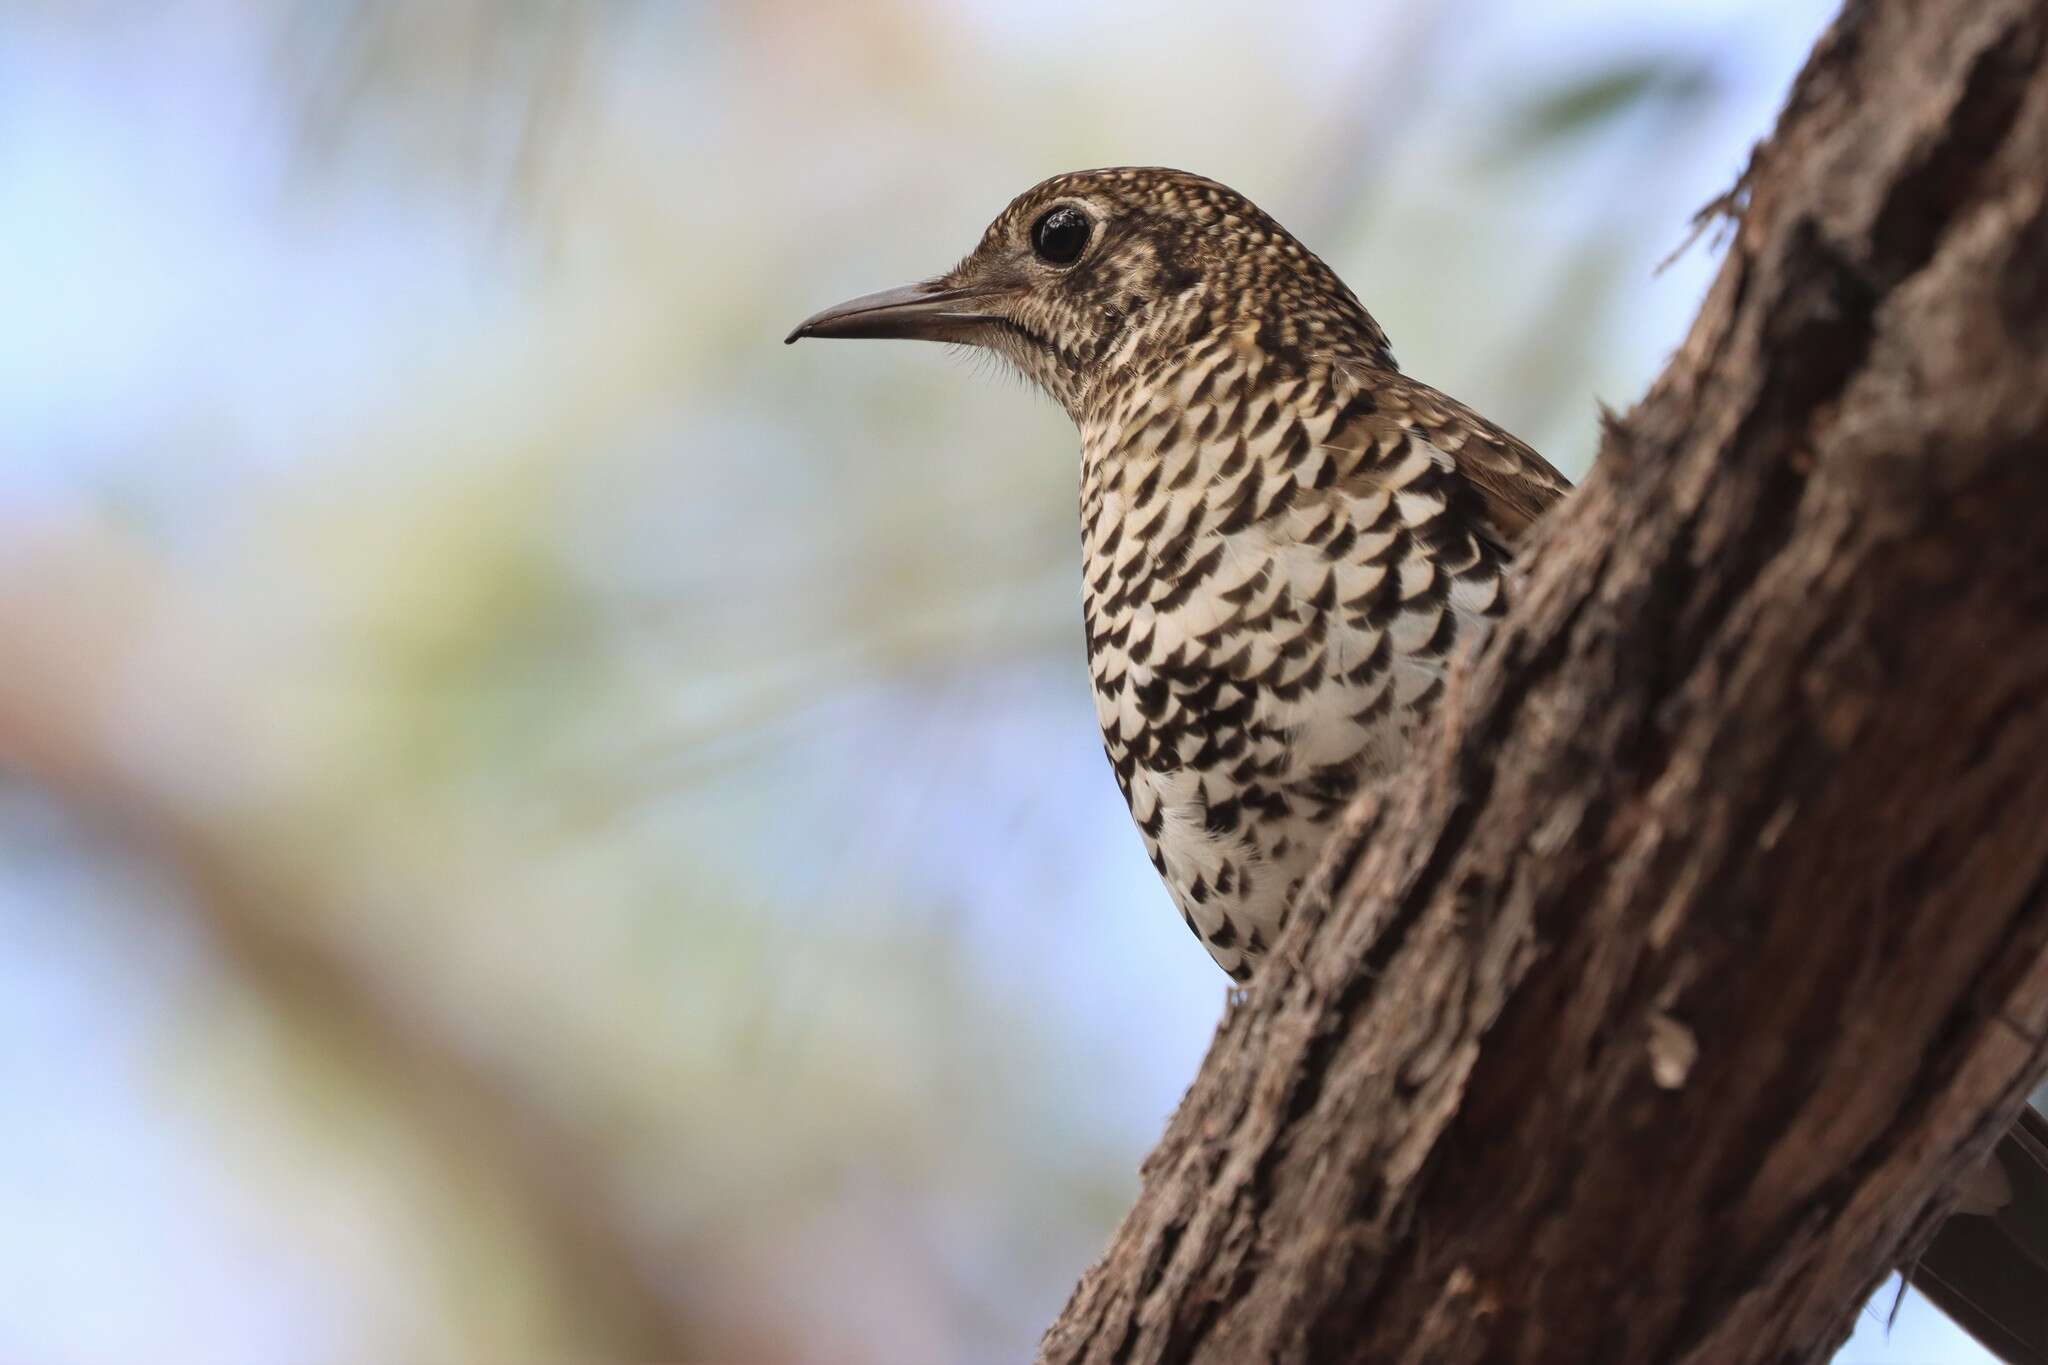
point(1661, 1011)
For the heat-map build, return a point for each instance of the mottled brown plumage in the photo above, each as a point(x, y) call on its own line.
point(1284, 539)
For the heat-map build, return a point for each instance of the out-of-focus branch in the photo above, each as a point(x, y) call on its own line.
point(76, 606)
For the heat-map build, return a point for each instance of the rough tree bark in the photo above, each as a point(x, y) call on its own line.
point(1659, 1012)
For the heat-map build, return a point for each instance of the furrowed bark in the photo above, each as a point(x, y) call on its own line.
point(1656, 1014)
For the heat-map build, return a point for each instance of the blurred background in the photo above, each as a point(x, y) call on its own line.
point(537, 823)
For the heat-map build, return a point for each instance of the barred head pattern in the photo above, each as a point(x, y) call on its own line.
point(1170, 259)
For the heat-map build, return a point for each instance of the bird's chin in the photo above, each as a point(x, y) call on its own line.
point(1036, 361)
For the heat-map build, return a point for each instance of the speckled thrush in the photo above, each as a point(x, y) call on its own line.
point(1284, 538)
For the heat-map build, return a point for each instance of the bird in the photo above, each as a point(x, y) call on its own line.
point(1285, 543)
point(1285, 540)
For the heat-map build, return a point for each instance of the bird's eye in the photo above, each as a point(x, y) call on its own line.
point(1060, 236)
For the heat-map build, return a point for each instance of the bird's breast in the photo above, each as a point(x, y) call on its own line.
point(1267, 611)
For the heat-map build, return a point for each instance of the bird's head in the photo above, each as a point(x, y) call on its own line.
point(1101, 278)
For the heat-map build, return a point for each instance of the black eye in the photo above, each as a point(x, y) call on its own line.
point(1061, 236)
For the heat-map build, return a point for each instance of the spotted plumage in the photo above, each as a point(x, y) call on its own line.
point(1284, 539)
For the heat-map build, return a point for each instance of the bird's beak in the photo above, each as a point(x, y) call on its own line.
point(932, 311)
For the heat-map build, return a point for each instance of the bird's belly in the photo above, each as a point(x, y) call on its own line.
point(1241, 718)
point(1233, 848)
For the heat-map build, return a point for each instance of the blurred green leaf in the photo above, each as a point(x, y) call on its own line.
point(1599, 99)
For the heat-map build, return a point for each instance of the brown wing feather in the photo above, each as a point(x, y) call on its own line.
point(1512, 484)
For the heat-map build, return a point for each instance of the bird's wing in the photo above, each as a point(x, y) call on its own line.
point(1511, 485)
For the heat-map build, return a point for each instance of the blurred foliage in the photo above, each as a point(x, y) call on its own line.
point(1631, 88)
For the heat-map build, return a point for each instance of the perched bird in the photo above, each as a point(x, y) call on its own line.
point(1284, 539)
point(1284, 542)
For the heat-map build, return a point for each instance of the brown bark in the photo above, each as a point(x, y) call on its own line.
point(1656, 1016)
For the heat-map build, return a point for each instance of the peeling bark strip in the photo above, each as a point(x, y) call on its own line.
point(1657, 1017)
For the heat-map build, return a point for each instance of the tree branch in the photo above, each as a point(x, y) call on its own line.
point(1659, 1014)
point(271, 908)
